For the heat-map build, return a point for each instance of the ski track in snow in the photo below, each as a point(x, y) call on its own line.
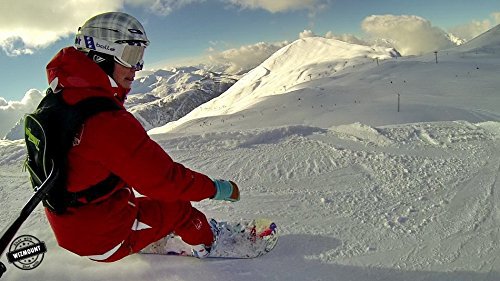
point(401, 202)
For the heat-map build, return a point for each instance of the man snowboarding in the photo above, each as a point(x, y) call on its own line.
point(113, 145)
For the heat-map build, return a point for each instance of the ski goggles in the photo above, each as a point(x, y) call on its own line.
point(126, 53)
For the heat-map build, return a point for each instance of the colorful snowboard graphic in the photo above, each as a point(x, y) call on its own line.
point(236, 240)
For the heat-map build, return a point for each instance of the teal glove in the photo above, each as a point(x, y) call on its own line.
point(226, 190)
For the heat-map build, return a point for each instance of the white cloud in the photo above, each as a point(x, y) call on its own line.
point(496, 18)
point(14, 46)
point(27, 25)
point(349, 38)
point(244, 58)
point(275, 6)
point(306, 33)
point(162, 7)
point(410, 35)
point(12, 111)
point(475, 28)
point(471, 30)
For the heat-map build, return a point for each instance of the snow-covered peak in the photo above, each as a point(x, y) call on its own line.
point(172, 79)
point(301, 61)
point(166, 82)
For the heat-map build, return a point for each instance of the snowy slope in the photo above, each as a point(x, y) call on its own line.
point(360, 191)
point(402, 202)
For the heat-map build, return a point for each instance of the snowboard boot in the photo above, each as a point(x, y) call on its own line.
point(201, 251)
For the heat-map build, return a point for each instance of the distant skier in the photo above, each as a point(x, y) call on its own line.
point(112, 155)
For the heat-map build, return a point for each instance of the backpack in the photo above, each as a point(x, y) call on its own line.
point(49, 134)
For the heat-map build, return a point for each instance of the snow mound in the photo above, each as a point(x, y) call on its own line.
point(361, 132)
point(491, 126)
point(273, 135)
point(12, 152)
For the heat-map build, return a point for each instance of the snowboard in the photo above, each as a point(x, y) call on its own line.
point(245, 239)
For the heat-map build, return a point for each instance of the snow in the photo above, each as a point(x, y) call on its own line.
point(358, 190)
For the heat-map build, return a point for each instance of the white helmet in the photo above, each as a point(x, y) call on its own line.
point(116, 34)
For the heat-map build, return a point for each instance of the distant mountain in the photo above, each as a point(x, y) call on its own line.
point(167, 95)
point(455, 39)
point(17, 132)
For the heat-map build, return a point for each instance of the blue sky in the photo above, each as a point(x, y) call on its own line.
point(193, 29)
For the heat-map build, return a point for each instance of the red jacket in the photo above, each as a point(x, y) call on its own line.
point(112, 142)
